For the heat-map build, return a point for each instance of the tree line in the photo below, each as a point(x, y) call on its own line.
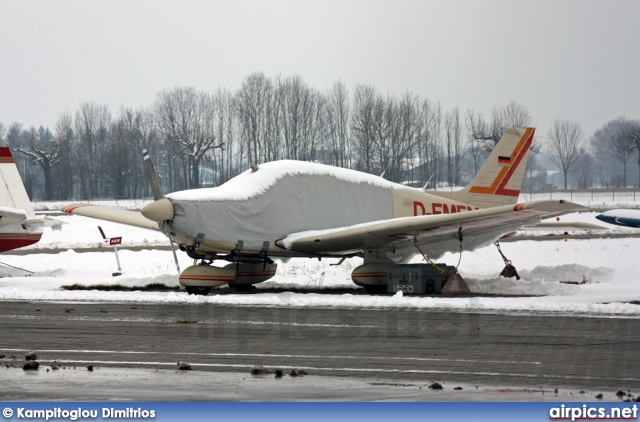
point(199, 139)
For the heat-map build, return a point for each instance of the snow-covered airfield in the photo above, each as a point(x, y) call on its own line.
point(607, 266)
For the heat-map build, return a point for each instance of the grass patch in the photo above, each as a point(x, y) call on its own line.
point(583, 281)
point(151, 287)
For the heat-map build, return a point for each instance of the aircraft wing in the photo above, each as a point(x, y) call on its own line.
point(491, 222)
point(130, 218)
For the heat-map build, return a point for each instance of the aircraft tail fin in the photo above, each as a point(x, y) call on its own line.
point(499, 180)
point(12, 191)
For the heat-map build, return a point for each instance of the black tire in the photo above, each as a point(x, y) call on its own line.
point(372, 290)
point(198, 290)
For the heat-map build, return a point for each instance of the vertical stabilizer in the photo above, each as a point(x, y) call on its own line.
point(500, 179)
point(12, 191)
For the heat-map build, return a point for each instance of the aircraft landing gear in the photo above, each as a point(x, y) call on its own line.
point(372, 289)
point(198, 290)
point(240, 287)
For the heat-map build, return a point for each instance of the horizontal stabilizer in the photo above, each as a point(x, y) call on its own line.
point(11, 216)
point(566, 225)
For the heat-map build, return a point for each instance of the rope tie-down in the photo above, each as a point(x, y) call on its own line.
point(455, 284)
point(509, 270)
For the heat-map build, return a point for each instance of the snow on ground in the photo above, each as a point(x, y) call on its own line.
point(82, 232)
point(608, 268)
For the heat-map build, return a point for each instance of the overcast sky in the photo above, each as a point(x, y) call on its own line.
point(576, 60)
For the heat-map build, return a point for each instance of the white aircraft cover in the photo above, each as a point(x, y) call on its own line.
point(296, 203)
point(252, 183)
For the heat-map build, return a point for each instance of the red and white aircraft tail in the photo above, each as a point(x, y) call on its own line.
point(499, 180)
point(19, 226)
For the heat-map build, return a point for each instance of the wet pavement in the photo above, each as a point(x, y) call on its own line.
point(124, 384)
point(349, 354)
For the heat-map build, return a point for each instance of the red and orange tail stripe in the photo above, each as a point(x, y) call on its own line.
point(498, 187)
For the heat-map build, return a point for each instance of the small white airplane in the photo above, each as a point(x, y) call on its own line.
point(621, 217)
point(300, 209)
point(19, 226)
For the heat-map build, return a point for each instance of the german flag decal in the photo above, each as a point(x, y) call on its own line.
point(504, 160)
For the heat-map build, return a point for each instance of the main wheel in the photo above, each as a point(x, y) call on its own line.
point(198, 290)
point(240, 287)
point(372, 289)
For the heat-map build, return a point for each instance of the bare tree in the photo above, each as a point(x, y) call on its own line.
point(453, 141)
point(337, 120)
point(476, 126)
point(186, 118)
point(613, 143)
point(45, 151)
point(130, 133)
point(301, 119)
point(382, 126)
point(226, 127)
point(504, 117)
point(432, 137)
point(428, 150)
point(405, 131)
point(396, 129)
point(362, 125)
point(271, 132)
point(566, 145)
point(92, 130)
point(253, 100)
point(63, 175)
point(584, 172)
point(622, 150)
point(17, 138)
point(634, 133)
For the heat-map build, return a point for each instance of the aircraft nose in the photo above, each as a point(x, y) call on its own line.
point(158, 211)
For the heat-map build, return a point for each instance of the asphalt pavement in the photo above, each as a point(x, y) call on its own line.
point(347, 354)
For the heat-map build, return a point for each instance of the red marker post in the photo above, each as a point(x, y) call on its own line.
point(113, 241)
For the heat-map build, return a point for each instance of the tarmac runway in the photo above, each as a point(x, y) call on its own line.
point(348, 354)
